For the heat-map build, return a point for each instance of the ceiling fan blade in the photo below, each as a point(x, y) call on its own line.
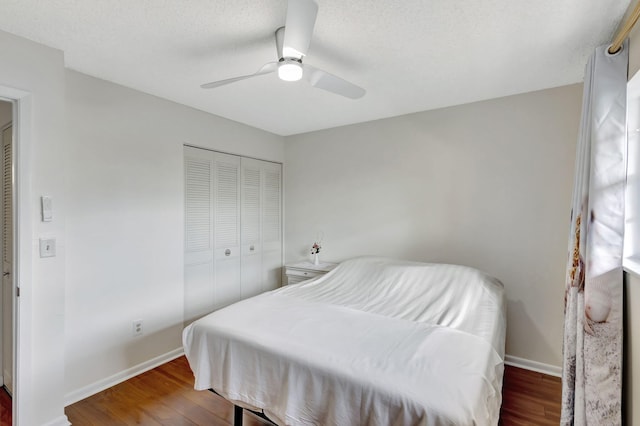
point(331, 83)
point(301, 18)
point(267, 68)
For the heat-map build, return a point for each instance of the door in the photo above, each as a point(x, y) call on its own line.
point(251, 235)
point(226, 231)
point(7, 258)
point(233, 229)
point(212, 231)
point(198, 255)
point(261, 219)
point(271, 226)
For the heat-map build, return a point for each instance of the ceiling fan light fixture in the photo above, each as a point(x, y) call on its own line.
point(292, 44)
point(289, 70)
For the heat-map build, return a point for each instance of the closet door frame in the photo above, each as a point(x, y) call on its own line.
point(213, 154)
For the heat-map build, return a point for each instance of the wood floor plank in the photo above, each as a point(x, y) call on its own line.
point(530, 398)
point(5, 408)
point(197, 412)
point(165, 396)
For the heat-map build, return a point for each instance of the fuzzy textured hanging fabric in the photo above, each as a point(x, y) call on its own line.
point(592, 370)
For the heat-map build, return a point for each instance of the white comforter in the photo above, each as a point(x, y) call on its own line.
point(374, 342)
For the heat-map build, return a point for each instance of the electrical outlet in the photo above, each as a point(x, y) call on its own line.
point(47, 247)
point(137, 327)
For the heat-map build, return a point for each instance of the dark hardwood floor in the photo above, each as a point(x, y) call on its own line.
point(530, 398)
point(165, 396)
point(162, 396)
point(5, 408)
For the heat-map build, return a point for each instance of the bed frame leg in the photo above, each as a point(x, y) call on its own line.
point(237, 416)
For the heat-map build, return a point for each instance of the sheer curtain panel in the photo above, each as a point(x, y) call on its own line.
point(592, 370)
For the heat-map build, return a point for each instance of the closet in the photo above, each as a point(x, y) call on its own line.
point(233, 229)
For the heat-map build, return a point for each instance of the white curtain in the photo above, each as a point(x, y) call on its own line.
point(592, 370)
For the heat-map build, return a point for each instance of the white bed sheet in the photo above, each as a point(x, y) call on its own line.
point(361, 345)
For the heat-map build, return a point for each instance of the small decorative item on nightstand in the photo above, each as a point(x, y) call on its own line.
point(315, 251)
point(302, 271)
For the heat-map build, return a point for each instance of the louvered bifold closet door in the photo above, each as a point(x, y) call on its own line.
point(251, 227)
point(271, 225)
point(198, 253)
point(226, 233)
point(7, 203)
point(233, 229)
point(7, 257)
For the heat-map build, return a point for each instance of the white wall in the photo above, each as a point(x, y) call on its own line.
point(125, 221)
point(634, 45)
point(486, 185)
point(39, 70)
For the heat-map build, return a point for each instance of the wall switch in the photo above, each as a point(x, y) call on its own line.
point(47, 208)
point(47, 247)
point(137, 327)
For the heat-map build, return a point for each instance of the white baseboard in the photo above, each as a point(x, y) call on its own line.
point(536, 366)
point(100, 385)
point(60, 421)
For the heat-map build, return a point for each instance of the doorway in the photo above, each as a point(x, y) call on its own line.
point(7, 255)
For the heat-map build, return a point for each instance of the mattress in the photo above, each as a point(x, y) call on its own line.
point(375, 341)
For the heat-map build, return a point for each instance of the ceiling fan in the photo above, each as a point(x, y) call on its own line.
point(292, 43)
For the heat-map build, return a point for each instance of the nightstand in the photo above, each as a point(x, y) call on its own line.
point(301, 271)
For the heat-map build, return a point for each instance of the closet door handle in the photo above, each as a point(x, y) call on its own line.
point(227, 252)
point(252, 248)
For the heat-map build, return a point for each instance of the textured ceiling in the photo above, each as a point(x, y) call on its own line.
point(410, 55)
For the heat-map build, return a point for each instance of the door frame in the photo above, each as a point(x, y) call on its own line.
point(23, 210)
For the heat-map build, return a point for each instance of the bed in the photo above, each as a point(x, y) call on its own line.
point(373, 342)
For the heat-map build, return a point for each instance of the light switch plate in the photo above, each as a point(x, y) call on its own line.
point(47, 247)
point(47, 208)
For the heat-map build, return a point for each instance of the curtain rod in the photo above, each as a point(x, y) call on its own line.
point(624, 30)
